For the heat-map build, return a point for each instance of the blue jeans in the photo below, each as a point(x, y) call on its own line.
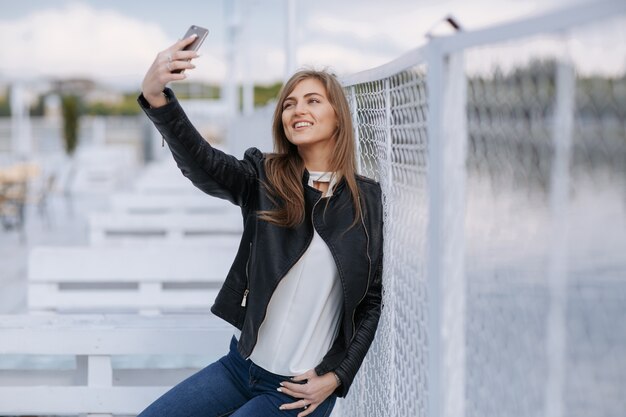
point(232, 386)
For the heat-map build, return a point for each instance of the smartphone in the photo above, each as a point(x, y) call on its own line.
point(195, 45)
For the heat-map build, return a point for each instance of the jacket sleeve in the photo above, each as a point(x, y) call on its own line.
point(369, 312)
point(211, 170)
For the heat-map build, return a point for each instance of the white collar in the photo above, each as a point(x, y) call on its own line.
point(320, 176)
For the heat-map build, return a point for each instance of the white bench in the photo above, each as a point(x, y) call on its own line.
point(164, 177)
point(134, 203)
point(153, 279)
point(115, 227)
point(103, 168)
point(166, 185)
point(95, 385)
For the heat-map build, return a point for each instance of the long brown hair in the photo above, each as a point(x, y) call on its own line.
point(285, 167)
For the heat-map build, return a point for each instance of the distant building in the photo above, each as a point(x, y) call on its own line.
point(88, 90)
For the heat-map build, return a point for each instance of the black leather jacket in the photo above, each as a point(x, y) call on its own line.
point(267, 252)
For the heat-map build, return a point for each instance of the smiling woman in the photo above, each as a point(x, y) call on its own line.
point(304, 290)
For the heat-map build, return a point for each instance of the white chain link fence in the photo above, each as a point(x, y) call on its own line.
point(502, 157)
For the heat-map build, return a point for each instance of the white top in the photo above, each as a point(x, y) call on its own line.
point(303, 314)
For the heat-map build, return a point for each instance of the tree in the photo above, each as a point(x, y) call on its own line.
point(71, 114)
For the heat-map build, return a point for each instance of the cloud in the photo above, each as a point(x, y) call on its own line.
point(341, 59)
point(406, 27)
point(369, 35)
point(81, 41)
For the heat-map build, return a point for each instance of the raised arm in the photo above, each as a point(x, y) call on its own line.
point(209, 169)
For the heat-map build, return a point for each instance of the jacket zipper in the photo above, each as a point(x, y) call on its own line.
point(247, 291)
point(369, 272)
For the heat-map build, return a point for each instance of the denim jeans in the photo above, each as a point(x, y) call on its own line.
point(232, 386)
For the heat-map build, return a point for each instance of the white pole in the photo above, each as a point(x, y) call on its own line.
point(556, 336)
point(291, 44)
point(435, 86)
point(355, 126)
point(21, 144)
point(248, 84)
point(454, 145)
point(231, 95)
point(445, 277)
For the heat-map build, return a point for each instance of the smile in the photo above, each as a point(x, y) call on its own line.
point(302, 124)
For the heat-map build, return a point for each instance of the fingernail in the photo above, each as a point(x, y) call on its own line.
point(282, 407)
point(281, 384)
point(279, 390)
point(195, 35)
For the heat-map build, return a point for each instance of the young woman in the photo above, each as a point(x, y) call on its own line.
point(304, 290)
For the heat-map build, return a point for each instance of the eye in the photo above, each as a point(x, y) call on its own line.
point(287, 105)
point(314, 100)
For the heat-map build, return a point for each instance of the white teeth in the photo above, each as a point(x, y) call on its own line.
point(303, 124)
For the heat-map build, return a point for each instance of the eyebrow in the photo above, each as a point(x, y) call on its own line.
point(306, 95)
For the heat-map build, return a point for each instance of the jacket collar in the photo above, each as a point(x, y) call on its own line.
point(336, 190)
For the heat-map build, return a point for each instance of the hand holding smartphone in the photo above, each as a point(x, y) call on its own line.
point(201, 34)
point(167, 66)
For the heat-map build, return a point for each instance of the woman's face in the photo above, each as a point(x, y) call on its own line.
point(308, 117)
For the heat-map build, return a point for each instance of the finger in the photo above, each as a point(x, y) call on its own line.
point(293, 389)
point(178, 76)
point(310, 409)
point(183, 42)
point(177, 66)
point(184, 55)
point(291, 392)
point(295, 405)
point(307, 375)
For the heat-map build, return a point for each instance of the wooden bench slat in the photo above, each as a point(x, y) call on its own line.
point(150, 264)
point(77, 400)
point(113, 334)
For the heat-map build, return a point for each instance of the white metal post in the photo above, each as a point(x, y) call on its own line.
point(388, 122)
point(434, 88)
point(290, 45)
point(556, 334)
point(355, 126)
point(231, 95)
point(21, 144)
point(246, 71)
point(453, 294)
point(447, 150)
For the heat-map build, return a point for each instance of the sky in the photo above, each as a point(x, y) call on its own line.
point(115, 41)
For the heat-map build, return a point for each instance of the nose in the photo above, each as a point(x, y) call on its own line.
point(300, 108)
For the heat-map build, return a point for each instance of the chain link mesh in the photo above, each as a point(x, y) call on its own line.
point(515, 285)
point(390, 118)
point(507, 234)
